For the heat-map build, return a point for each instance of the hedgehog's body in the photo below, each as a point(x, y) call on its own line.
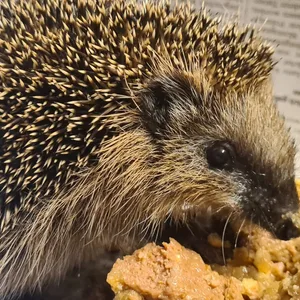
point(107, 110)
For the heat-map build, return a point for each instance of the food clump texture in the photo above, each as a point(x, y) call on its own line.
point(169, 272)
point(264, 268)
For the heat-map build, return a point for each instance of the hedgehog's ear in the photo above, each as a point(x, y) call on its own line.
point(168, 100)
point(155, 104)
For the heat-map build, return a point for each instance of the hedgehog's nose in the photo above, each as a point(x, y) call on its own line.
point(286, 230)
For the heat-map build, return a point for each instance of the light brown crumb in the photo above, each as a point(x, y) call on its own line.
point(215, 240)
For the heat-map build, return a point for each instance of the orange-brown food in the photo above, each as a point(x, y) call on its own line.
point(270, 265)
point(265, 268)
point(170, 272)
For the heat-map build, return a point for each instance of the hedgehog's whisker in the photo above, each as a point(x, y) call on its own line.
point(223, 237)
point(238, 233)
point(251, 228)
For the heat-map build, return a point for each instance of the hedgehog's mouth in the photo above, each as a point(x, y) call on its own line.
point(195, 236)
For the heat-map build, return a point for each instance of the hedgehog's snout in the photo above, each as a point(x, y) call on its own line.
point(269, 208)
point(286, 230)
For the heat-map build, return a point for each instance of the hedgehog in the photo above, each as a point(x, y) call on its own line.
point(118, 117)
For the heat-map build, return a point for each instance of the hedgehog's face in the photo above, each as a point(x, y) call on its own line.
point(227, 154)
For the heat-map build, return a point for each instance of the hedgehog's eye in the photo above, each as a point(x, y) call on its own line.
point(220, 155)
